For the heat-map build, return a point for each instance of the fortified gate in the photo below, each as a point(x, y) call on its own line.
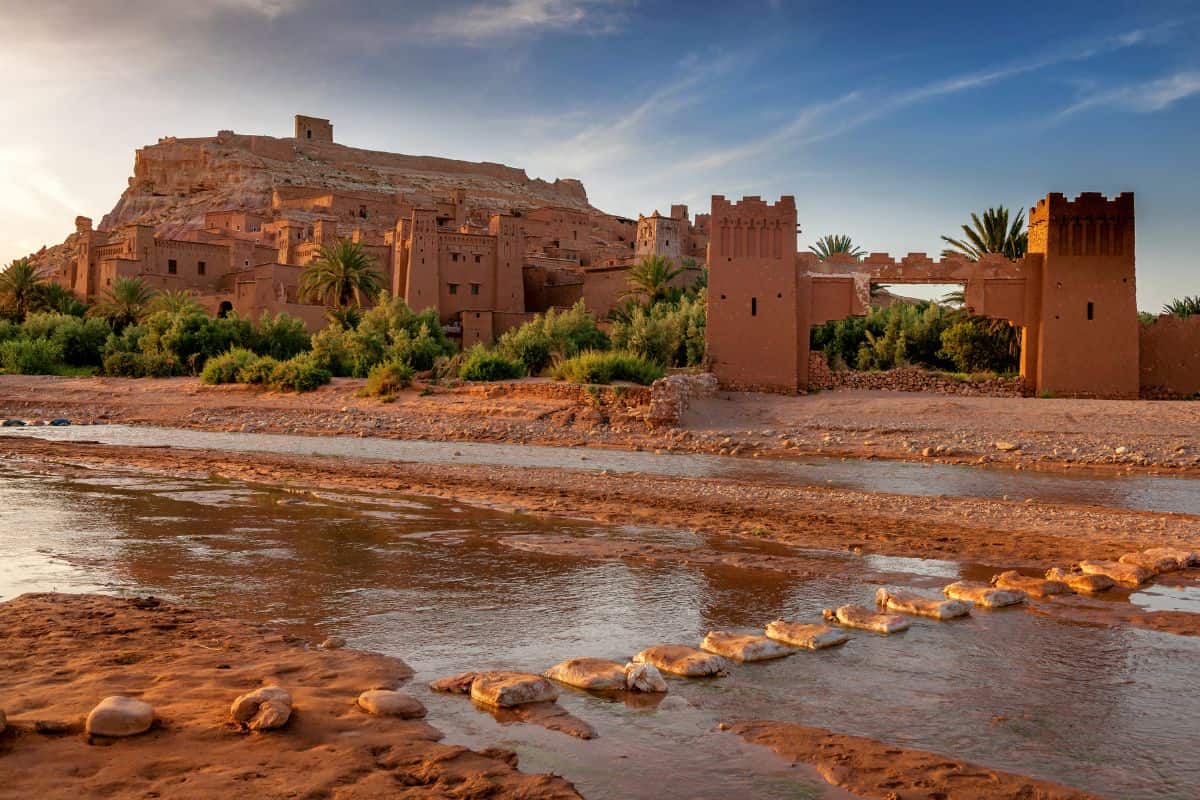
point(1072, 295)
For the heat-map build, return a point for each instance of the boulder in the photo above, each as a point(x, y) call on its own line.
point(333, 643)
point(388, 703)
point(1184, 558)
point(799, 634)
point(855, 616)
point(120, 716)
point(455, 684)
point(744, 647)
point(264, 709)
point(644, 678)
point(593, 674)
point(1154, 563)
point(1034, 587)
point(1125, 574)
point(984, 595)
point(906, 602)
point(679, 659)
point(508, 689)
point(1078, 582)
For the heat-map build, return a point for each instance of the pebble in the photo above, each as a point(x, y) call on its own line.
point(120, 716)
point(333, 643)
point(388, 703)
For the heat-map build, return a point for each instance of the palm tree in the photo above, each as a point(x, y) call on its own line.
point(19, 285)
point(343, 275)
point(836, 243)
point(174, 302)
point(954, 297)
point(58, 298)
point(125, 303)
point(1183, 306)
point(652, 277)
point(992, 234)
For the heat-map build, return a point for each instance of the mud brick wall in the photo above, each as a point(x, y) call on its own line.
point(671, 396)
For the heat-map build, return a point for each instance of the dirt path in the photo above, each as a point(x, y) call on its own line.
point(62, 654)
point(1028, 433)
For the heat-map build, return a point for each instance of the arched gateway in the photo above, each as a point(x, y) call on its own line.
point(1073, 295)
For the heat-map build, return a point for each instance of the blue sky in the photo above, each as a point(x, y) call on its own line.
point(889, 122)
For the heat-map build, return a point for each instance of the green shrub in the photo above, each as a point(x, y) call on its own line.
point(561, 333)
point(258, 372)
point(301, 373)
point(280, 337)
point(388, 378)
point(9, 330)
point(390, 331)
point(226, 367)
point(605, 367)
point(670, 333)
point(977, 345)
point(481, 364)
point(30, 356)
point(140, 365)
point(81, 340)
point(191, 338)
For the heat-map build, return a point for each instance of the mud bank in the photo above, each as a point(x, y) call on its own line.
point(880, 771)
point(63, 653)
point(1025, 433)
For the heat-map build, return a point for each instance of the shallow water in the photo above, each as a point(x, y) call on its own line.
point(1144, 492)
point(1109, 710)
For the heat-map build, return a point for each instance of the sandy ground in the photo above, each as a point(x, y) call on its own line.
point(1035, 433)
point(64, 653)
point(878, 771)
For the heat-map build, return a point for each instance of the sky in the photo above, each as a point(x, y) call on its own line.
point(889, 122)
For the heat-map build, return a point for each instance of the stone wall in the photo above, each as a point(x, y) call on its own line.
point(1169, 356)
point(671, 396)
point(627, 397)
point(909, 379)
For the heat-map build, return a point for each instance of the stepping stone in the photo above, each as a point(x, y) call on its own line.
point(509, 689)
point(679, 659)
point(1078, 582)
point(906, 602)
point(863, 618)
point(984, 595)
point(799, 634)
point(1034, 587)
point(388, 703)
point(644, 678)
point(264, 709)
point(602, 675)
point(120, 716)
point(1153, 563)
point(1184, 558)
point(744, 647)
point(1125, 574)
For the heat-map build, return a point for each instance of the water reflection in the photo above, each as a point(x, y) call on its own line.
point(1106, 709)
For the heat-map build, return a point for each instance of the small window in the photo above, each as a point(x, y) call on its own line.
point(474, 288)
point(1091, 310)
point(308, 133)
point(172, 267)
point(201, 267)
point(453, 288)
point(454, 256)
point(477, 258)
point(754, 306)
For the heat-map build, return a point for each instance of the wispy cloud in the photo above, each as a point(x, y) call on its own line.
point(1140, 98)
point(484, 21)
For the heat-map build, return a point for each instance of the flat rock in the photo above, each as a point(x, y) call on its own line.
point(388, 703)
point(264, 709)
point(1124, 574)
point(1079, 582)
point(905, 602)
point(120, 716)
point(1184, 558)
point(1034, 587)
point(508, 689)
point(744, 647)
point(863, 618)
point(1155, 564)
point(455, 684)
point(810, 636)
point(984, 595)
point(593, 674)
point(679, 659)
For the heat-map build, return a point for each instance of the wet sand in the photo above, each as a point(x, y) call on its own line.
point(64, 653)
point(1027, 433)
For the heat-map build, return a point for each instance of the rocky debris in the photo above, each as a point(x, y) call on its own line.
point(389, 703)
point(910, 379)
point(333, 643)
point(1080, 582)
point(119, 716)
point(862, 618)
point(264, 709)
point(906, 602)
point(1034, 587)
point(812, 637)
point(503, 689)
point(984, 595)
point(1154, 563)
point(1125, 574)
point(1007, 447)
point(744, 647)
point(671, 396)
point(679, 659)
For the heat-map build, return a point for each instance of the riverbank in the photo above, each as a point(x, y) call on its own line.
point(62, 654)
point(1024, 433)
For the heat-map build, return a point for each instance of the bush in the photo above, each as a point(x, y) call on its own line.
point(280, 337)
point(140, 365)
point(30, 356)
point(191, 338)
point(481, 364)
point(670, 333)
point(301, 373)
point(605, 367)
point(976, 345)
point(9, 330)
point(227, 368)
point(258, 372)
point(388, 378)
point(390, 331)
point(561, 333)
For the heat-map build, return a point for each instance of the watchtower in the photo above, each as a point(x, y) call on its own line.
point(313, 129)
